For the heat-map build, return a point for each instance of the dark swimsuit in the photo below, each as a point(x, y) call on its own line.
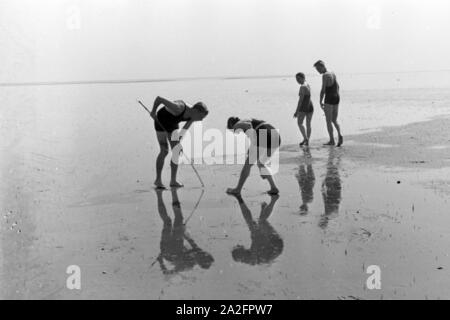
point(332, 93)
point(307, 105)
point(167, 121)
point(264, 138)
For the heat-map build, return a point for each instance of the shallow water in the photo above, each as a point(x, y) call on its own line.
point(295, 253)
point(77, 167)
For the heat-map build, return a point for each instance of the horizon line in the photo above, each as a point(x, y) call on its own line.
point(174, 79)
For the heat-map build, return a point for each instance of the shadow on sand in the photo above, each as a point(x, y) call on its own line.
point(306, 181)
point(177, 246)
point(266, 243)
point(331, 188)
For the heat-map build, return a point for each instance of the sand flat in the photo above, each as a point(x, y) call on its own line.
point(76, 171)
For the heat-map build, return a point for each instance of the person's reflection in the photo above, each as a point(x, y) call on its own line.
point(331, 188)
point(266, 244)
point(173, 236)
point(306, 180)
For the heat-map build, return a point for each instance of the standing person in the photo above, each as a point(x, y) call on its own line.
point(329, 101)
point(305, 109)
point(264, 141)
point(167, 121)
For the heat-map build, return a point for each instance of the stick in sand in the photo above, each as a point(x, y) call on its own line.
point(187, 158)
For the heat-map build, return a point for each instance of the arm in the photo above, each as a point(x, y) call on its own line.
point(172, 107)
point(156, 104)
point(325, 81)
point(185, 128)
point(187, 125)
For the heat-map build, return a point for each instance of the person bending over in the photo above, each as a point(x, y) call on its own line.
point(167, 120)
point(264, 141)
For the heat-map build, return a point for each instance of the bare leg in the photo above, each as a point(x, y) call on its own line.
point(300, 120)
point(265, 174)
point(163, 152)
point(308, 125)
point(336, 124)
point(176, 151)
point(329, 118)
point(244, 175)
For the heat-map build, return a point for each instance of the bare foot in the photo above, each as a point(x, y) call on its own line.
point(159, 184)
point(304, 143)
point(331, 143)
point(234, 191)
point(341, 141)
point(273, 191)
point(176, 185)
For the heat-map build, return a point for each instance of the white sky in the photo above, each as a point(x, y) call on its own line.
point(51, 40)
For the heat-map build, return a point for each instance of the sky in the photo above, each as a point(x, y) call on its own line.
point(76, 40)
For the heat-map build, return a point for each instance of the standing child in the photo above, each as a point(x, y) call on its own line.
point(305, 108)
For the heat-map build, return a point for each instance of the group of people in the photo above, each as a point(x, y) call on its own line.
point(264, 138)
point(329, 102)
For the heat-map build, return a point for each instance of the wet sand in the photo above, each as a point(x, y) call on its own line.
point(382, 199)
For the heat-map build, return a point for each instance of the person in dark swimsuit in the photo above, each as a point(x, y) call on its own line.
point(305, 109)
point(329, 101)
point(264, 141)
point(167, 121)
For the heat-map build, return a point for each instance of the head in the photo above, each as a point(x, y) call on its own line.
point(199, 111)
point(320, 67)
point(232, 122)
point(300, 78)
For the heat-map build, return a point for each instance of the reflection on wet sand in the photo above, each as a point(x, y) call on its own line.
point(331, 188)
point(266, 244)
point(173, 237)
point(306, 180)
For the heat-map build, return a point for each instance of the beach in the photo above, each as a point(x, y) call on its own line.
point(77, 171)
